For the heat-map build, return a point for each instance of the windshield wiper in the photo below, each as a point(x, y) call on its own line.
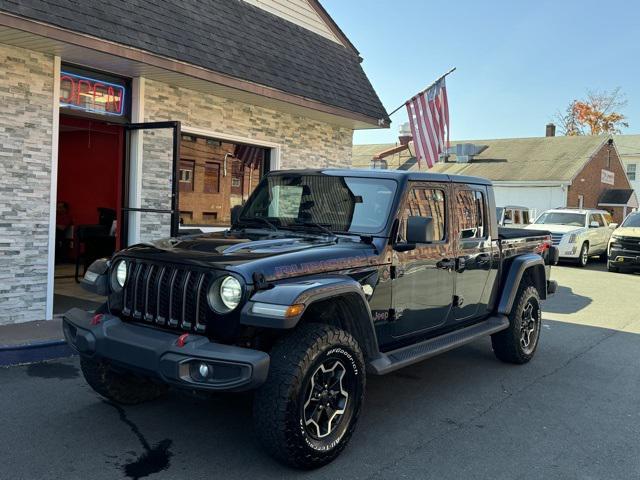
point(309, 223)
point(259, 219)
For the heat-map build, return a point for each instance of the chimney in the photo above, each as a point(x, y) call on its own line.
point(404, 135)
point(551, 130)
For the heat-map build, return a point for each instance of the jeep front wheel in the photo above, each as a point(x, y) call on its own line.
point(307, 410)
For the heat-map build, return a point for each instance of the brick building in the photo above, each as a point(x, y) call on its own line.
point(539, 173)
point(119, 121)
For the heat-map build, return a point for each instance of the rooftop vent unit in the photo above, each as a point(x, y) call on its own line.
point(465, 152)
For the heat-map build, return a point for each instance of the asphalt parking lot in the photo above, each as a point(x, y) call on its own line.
point(573, 412)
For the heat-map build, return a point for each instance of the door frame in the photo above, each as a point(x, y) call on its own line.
point(129, 227)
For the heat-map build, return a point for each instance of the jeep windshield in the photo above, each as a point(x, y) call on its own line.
point(562, 218)
point(320, 202)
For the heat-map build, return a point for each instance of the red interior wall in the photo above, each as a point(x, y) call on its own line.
point(89, 162)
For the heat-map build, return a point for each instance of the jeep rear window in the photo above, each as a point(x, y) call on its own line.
point(341, 204)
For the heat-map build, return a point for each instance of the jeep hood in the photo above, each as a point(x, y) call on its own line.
point(275, 255)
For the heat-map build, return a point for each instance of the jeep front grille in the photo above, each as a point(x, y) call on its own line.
point(166, 295)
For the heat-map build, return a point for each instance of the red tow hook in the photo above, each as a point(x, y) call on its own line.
point(182, 340)
point(96, 319)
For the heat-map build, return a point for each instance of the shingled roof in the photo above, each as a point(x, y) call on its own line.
point(512, 159)
point(231, 37)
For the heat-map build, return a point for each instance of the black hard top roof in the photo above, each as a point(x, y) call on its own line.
point(400, 175)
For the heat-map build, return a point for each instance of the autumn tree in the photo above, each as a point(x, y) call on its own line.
point(598, 114)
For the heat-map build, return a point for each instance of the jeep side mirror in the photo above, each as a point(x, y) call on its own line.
point(508, 221)
point(235, 214)
point(420, 230)
point(594, 225)
point(613, 225)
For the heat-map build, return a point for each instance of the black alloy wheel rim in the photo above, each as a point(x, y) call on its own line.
point(328, 398)
point(530, 326)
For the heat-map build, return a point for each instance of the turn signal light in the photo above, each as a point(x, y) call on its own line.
point(96, 319)
point(294, 310)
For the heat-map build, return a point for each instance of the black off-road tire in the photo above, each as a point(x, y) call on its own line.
point(507, 344)
point(279, 405)
point(123, 388)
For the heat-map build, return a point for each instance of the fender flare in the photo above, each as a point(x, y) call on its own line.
point(306, 292)
point(517, 270)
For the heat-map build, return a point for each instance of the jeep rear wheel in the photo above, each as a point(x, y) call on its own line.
point(124, 388)
point(518, 343)
point(307, 410)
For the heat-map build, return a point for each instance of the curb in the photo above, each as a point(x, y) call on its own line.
point(34, 352)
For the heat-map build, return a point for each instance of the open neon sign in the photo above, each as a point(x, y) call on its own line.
point(91, 95)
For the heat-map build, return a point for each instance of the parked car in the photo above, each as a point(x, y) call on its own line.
point(324, 276)
point(578, 233)
point(624, 245)
point(513, 216)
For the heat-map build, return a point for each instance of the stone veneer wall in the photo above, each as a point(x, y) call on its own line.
point(26, 114)
point(305, 143)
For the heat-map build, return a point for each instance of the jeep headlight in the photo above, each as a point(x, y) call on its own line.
point(224, 294)
point(119, 275)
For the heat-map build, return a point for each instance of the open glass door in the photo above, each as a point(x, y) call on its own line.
point(150, 205)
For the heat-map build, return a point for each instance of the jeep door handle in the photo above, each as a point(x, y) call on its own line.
point(446, 264)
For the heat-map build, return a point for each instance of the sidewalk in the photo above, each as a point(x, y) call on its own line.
point(32, 342)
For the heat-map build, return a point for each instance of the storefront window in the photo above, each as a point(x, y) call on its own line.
point(214, 176)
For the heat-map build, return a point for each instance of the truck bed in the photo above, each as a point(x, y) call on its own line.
point(506, 233)
point(517, 241)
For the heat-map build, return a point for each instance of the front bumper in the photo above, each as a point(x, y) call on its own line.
point(158, 353)
point(623, 258)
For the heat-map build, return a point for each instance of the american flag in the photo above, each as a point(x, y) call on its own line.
point(429, 118)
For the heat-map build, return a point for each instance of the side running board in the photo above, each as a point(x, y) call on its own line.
point(389, 361)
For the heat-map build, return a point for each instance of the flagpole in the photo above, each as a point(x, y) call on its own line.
point(424, 90)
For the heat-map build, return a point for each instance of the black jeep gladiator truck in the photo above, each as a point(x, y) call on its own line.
point(324, 276)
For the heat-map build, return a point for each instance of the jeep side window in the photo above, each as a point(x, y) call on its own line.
point(425, 202)
point(471, 214)
point(525, 217)
point(516, 217)
point(608, 218)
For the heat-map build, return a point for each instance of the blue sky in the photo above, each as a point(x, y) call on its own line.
point(517, 62)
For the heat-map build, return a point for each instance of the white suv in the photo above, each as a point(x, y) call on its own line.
point(578, 233)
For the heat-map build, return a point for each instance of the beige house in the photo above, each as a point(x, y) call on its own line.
point(539, 172)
